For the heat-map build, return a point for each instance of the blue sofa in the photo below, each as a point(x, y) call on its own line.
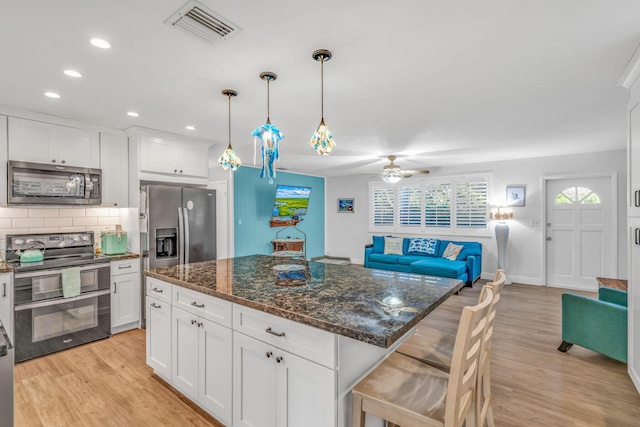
point(467, 267)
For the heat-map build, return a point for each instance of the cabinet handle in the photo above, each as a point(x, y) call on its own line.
point(200, 324)
point(175, 171)
point(122, 267)
point(637, 198)
point(53, 161)
point(195, 304)
point(279, 359)
point(115, 288)
point(153, 304)
point(637, 236)
point(278, 334)
point(180, 170)
point(157, 290)
point(193, 322)
point(4, 289)
point(269, 354)
point(63, 162)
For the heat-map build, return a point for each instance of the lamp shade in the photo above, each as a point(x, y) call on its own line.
point(502, 213)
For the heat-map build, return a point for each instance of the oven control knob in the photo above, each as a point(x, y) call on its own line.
point(76, 238)
point(18, 241)
point(85, 238)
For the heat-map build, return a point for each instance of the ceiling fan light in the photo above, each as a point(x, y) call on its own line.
point(322, 140)
point(391, 176)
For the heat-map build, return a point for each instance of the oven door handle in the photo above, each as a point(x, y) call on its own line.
point(59, 270)
point(62, 300)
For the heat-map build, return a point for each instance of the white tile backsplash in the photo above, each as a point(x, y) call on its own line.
point(85, 221)
point(71, 213)
point(43, 213)
point(58, 222)
point(97, 211)
point(28, 222)
point(14, 213)
point(111, 220)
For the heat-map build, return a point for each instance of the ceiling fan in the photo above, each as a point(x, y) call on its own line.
point(393, 173)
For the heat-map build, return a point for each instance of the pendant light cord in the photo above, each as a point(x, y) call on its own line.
point(322, 89)
point(268, 101)
point(229, 96)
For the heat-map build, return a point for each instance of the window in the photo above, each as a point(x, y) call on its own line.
point(445, 206)
point(582, 195)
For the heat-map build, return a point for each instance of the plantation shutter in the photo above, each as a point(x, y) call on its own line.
point(471, 205)
point(382, 206)
point(409, 206)
point(437, 205)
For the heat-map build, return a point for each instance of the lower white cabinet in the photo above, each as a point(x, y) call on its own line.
point(201, 362)
point(633, 300)
point(158, 334)
point(6, 303)
point(274, 388)
point(125, 295)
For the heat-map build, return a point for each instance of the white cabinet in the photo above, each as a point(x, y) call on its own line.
point(114, 155)
point(633, 297)
point(201, 362)
point(6, 303)
point(3, 160)
point(166, 156)
point(33, 141)
point(274, 388)
point(158, 335)
point(634, 160)
point(125, 295)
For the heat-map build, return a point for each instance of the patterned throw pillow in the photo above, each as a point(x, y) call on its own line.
point(452, 251)
point(393, 245)
point(422, 246)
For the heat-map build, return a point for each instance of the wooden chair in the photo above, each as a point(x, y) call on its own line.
point(435, 348)
point(406, 392)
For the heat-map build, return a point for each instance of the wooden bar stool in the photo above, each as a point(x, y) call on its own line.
point(406, 392)
point(435, 348)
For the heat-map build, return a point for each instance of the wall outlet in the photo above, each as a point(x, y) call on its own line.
point(535, 223)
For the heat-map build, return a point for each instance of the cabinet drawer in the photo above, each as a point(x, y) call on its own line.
point(305, 341)
point(211, 308)
point(125, 266)
point(159, 289)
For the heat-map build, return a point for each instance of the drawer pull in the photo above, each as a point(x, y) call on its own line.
point(157, 290)
point(278, 334)
point(115, 287)
point(279, 359)
point(200, 324)
point(195, 304)
point(153, 304)
point(193, 322)
point(637, 198)
point(122, 267)
point(637, 236)
point(4, 289)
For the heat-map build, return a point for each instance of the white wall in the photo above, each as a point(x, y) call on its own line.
point(347, 234)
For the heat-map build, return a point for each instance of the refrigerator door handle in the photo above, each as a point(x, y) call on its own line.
point(186, 235)
point(181, 230)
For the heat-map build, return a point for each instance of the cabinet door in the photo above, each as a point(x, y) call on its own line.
point(158, 155)
point(31, 141)
point(114, 155)
point(634, 161)
point(306, 392)
point(159, 336)
point(633, 300)
point(78, 147)
point(6, 304)
point(215, 364)
point(184, 356)
point(254, 383)
point(194, 159)
point(125, 301)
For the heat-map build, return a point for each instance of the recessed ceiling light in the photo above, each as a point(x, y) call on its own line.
point(133, 114)
point(190, 128)
point(72, 73)
point(102, 44)
point(51, 95)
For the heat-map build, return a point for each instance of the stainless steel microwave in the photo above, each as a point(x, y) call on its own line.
point(43, 184)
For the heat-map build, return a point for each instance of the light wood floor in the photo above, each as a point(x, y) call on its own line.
point(107, 383)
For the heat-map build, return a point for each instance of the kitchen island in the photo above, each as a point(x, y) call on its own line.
point(284, 350)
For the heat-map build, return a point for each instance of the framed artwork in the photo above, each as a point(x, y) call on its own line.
point(346, 205)
point(515, 196)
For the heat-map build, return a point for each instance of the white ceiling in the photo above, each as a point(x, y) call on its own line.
point(434, 82)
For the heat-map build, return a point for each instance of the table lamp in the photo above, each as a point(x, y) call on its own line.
point(502, 214)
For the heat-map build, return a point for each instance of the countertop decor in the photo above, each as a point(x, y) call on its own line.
point(342, 299)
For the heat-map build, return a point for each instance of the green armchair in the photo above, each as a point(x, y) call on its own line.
point(599, 325)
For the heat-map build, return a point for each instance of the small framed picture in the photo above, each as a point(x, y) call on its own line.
point(515, 196)
point(346, 205)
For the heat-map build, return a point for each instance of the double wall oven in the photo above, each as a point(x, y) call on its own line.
point(46, 321)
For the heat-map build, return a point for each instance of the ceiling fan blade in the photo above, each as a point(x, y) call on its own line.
point(415, 171)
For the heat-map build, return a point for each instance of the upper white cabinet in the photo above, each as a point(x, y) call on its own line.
point(114, 155)
point(39, 142)
point(161, 155)
point(634, 159)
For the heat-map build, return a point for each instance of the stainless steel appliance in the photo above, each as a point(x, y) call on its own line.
point(35, 183)
point(46, 321)
point(178, 226)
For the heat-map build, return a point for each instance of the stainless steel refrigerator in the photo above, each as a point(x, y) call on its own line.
point(178, 225)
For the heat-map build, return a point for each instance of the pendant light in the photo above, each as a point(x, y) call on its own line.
point(229, 159)
point(322, 141)
point(269, 135)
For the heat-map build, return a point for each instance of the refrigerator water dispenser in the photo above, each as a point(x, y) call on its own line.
point(166, 243)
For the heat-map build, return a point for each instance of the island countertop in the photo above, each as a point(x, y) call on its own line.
point(348, 300)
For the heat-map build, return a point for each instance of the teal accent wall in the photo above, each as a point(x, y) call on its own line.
point(253, 204)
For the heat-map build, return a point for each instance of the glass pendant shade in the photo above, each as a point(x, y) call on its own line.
point(391, 176)
point(322, 140)
point(269, 137)
point(229, 158)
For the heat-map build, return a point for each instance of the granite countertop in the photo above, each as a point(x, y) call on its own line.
point(5, 268)
point(121, 257)
point(342, 299)
point(5, 343)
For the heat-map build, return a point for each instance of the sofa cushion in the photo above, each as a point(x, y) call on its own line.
point(422, 246)
point(393, 245)
point(385, 259)
point(439, 267)
point(378, 244)
point(408, 259)
point(452, 251)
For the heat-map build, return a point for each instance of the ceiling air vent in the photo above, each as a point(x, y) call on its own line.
point(204, 23)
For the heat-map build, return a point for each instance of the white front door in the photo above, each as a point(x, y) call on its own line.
point(579, 231)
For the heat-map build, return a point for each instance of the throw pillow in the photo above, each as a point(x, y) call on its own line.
point(422, 246)
point(378, 244)
point(393, 245)
point(452, 251)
